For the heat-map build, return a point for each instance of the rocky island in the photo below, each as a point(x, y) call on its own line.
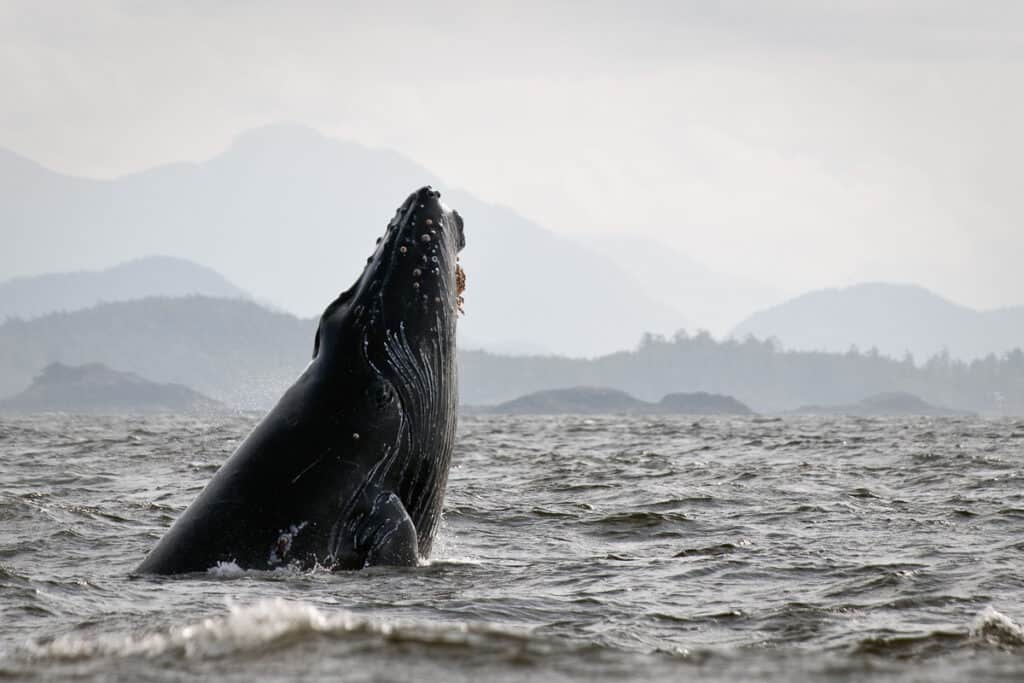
point(887, 404)
point(607, 401)
point(96, 388)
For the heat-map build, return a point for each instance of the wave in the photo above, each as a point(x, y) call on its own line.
point(991, 629)
point(913, 647)
point(995, 629)
point(270, 623)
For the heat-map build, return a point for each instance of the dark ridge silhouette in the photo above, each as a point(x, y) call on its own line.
point(574, 400)
point(758, 373)
point(702, 403)
point(95, 388)
point(31, 297)
point(607, 401)
point(895, 319)
point(245, 355)
point(888, 404)
point(232, 350)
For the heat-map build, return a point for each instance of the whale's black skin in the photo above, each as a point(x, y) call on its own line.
point(349, 468)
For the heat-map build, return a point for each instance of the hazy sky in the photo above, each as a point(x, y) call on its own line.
point(804, 143)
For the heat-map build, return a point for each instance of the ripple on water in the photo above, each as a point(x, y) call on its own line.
point(600, 548)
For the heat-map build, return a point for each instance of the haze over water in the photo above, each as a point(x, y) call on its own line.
point(604, 548)
point(798, 144)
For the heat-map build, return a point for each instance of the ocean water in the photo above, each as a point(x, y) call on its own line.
point(589, 549)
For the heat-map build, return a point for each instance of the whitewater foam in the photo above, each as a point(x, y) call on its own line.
point(995, 628)
point(253, 627)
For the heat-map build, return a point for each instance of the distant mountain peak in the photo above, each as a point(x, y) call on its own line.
point(893, 318)
point(886, 289)
point(156, 275)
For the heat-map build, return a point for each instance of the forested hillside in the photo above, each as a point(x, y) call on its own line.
point(244, 355)
point(756, 372)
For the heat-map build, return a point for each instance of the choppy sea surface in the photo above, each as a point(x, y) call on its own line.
point(611, 548)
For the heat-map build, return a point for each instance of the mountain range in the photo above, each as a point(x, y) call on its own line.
point(286, 216)
point(289, 216)
point(244, 355)
point(894, 319)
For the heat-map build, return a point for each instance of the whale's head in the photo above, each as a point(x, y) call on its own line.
point(417, 263)
point(391, 336)
point(412, 284)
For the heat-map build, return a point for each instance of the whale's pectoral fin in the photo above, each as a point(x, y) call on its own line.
point(390, 534)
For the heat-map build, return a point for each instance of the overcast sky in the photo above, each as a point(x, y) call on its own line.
point(802, 143)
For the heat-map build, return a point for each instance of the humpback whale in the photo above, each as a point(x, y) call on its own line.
point(349, 468)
